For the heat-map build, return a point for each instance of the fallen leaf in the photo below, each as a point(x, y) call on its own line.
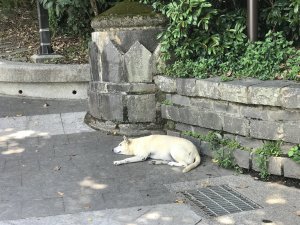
point(60, 193)
point(229, 73)
point(45, 105)
point(18, 115)
point(179, 201)
point(205, 184)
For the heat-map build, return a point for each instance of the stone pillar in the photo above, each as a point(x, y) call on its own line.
point(123, 57)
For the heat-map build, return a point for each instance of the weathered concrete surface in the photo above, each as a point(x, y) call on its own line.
point(68, 178)
point(141, 108)
point(42, 73)
point(267, 92)
point(291, 169)
point(112, 63)
point(242, 158)
point(279, 204)
point(165, 84)
point(208, 88)
point(173, 214)
point(186, 86)
point(275, 165)
point(236, 91)
point(290, 96)
point(138, 64)
point(44, 80)
point(56, 90)
point(266, 130)
point(130, 88)
point(45, 58)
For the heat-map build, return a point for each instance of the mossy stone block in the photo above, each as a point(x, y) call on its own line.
point(128, 14)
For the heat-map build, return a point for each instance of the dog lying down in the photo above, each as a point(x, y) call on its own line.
point(173, 151)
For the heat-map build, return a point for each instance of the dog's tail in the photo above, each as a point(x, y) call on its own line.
point(192, 165)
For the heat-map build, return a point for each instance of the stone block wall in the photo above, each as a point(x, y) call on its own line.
point(249, 111)
point(264, 110)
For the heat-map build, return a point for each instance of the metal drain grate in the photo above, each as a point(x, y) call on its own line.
point(220, 200)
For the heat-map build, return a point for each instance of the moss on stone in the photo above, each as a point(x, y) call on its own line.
point(128, 8)
point(128, 14)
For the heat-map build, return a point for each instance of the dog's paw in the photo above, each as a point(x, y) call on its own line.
point(116, 163)
point(153, 162)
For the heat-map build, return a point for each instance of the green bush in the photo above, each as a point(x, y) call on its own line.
point(294, 153)
point(10, 4)
point(270, 148)
point(73, 17)
point(208, 38)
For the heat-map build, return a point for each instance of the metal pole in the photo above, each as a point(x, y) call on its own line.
point(252, 11)
point(45, 39)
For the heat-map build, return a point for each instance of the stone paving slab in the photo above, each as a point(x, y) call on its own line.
point(73, 176)
point(67, 177)
point(173, 214)
point(280, 204)
point(42, 125)
point(12, 106)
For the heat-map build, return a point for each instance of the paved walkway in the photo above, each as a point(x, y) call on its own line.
point(56, 170)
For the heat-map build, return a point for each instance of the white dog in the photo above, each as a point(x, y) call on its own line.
point(170, 150)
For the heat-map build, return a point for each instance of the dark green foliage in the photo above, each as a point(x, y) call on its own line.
point(294, 153)
point(73, 17)
point(281, 15)
point(10, 4)
point(270, 148)
point(207, 38)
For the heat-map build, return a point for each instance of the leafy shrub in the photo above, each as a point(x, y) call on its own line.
point(294, 153)
point(281, 15)
point(73, 17)
point(10, 4)
point(270, 148)
point(268, 59)
point(208, 38)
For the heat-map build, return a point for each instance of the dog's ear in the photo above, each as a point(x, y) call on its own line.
point(126, 139)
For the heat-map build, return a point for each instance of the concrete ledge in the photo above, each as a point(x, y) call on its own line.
point(44, 80)
point(279, 93)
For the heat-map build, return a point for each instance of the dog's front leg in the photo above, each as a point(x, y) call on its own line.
point(130, 160)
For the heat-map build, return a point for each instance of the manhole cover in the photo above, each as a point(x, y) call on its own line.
point(220, 200)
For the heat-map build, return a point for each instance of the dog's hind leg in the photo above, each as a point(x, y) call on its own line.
point(177, 164)
point(159, 162)
point(130, 160)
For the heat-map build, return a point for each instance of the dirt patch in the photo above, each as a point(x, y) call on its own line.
point(290, 182)
point(19, 39)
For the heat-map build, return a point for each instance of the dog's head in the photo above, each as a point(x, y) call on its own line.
point(123, 147)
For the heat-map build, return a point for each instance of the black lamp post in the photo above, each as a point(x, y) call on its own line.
point(252, 18)
point(45, 39)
